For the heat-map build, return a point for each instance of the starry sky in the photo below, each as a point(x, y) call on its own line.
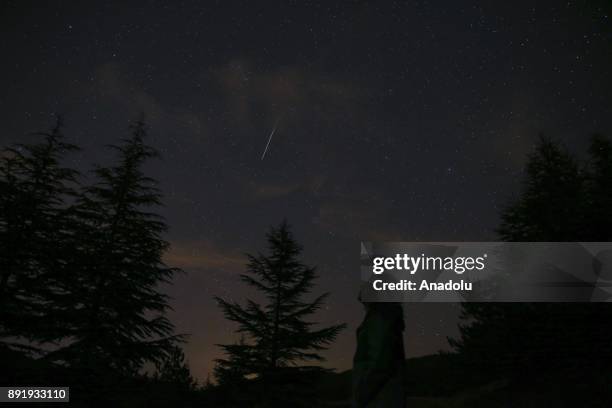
point(395, 121)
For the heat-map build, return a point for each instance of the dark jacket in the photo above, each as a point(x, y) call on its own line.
point(378, 365)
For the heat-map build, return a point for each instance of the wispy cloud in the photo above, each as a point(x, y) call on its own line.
point(204, 255)
point(264, 191)
point(252, 92)
point(358, 220)
point(113, 83)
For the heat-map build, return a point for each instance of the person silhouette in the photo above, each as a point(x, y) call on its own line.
point(378, 364)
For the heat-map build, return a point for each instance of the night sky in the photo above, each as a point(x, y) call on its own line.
point(395, 121)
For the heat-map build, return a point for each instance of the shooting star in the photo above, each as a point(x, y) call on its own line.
point(263, 155)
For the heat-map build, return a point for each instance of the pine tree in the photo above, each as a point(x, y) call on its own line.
point(118, 320)
point(235, 370)
point(598, 195)
point(277, 335)
point(550, 206)
point(36, 191)
point(561, 201)
point(174, 370)
point(172, 384)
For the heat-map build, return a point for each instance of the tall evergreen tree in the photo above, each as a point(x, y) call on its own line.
point(36, 190)
point(550, 206)
point(117, 315)
point(277, 335)
point(598, 194)
point(561, 201)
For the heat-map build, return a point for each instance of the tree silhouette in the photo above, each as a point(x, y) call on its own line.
point(172, 384)
point(598, 190)
point(117, 312)
point(175, 371)
point(80, 275)
point(239, 364)
point(277, 335)
point(35, 189)
point(550, 207)
point(562, 200)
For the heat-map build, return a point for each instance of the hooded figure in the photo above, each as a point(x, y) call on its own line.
point(378, 365)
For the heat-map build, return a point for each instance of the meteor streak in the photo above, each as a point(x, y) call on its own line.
point(263, 155)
